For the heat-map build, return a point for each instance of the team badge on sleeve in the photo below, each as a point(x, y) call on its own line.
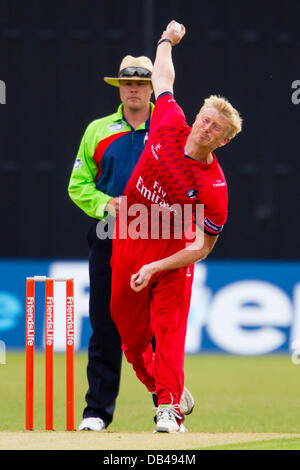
point(192, 193)
point(78, 163)
point(211, 226)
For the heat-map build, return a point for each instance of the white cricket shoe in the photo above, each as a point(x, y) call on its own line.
point(186, 402)
point(166, 419)
point(182, 428)
point(91, 424)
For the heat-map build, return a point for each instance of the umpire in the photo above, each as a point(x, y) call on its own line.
point(108, 153)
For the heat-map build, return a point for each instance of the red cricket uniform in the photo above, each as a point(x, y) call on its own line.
point(164, 178)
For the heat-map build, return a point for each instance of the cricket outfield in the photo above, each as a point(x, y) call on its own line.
point(241, 402)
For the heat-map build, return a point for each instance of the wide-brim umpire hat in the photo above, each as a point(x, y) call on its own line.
point(132, 68)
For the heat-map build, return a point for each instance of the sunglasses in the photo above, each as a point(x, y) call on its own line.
point(135, 71)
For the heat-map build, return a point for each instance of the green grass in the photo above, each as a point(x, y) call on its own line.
point(232, 394)
point(272, 444)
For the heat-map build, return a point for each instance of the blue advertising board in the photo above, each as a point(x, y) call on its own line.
point(237, 307)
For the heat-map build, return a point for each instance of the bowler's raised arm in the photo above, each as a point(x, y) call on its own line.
point(163, 75)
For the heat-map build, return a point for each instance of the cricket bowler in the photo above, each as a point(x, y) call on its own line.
point(177, 173)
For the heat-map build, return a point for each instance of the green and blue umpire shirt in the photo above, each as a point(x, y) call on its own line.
point(108, 153)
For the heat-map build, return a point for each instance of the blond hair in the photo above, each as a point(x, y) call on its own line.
point(222, 105)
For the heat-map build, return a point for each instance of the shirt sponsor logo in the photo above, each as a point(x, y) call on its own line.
point(116, 126)
point(78, 163)
point(219, 183)
point(211, 226)
point(155, 149)
point(156, 194)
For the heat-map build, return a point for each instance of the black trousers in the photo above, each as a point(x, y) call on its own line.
point(104, 352)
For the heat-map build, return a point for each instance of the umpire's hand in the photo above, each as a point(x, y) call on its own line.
point(113, 206)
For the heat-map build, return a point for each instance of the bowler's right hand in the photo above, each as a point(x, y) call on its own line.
point(172, 35)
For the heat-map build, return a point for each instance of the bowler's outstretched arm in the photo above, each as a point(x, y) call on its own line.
point(163, 75)
point(197, 251)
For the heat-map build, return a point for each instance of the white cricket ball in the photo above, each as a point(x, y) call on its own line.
point(176, 26)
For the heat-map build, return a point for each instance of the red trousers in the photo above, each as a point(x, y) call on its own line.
point(161, 309)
